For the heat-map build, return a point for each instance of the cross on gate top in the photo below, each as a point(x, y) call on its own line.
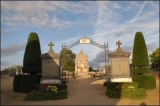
point(118, 43)
point(51, 44)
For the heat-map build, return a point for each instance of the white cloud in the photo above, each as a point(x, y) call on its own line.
point(124, 32)
point(138, 13)
point(134, 3)
point(37, 13)
point(104, 16)
point(12, 49)
point(127, 8)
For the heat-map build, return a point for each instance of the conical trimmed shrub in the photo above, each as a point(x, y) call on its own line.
point(32, 62)
point(141, 73)
point(140, 54)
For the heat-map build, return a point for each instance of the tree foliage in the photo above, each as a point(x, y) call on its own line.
point(32, 61)
point(155, 58)
point(67, 60)
point(90, 69)
point(140, 54)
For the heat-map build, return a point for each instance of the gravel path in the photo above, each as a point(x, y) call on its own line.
point(84, 90)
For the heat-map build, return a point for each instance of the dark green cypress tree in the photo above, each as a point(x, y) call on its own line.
point(32, 62)
point(141, 73)
point(140, 54)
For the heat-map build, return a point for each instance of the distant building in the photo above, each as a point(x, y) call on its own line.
point(81, 62)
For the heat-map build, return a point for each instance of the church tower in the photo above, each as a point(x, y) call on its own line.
point(81, 62)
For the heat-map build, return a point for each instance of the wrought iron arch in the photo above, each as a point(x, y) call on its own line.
point(85, 40)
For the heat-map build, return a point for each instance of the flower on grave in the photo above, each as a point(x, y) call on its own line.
point(52, 88)
point(49, 88)
point(43, 87)
point(130, 87)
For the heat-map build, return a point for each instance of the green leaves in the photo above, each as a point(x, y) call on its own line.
point(32, 55)
point(126, 91)
point(147, 82)
point(67, 60)
point(140, 53)
point(38, 95)
point(155, 58)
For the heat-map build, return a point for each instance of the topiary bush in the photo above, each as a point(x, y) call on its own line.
point(31, 69)
point(141, 70)
point(147, 82)
point(140, 54)
point(25, 83)
point(140, 62)
point(32, 62)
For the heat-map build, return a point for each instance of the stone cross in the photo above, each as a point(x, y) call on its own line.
point(51, 44)
point(119, 43)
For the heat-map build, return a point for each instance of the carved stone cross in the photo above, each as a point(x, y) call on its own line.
point(118, 43)
point(51, 44)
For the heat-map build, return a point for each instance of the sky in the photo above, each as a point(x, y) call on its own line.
point(68, 21)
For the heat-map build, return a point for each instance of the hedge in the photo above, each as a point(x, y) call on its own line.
point(39, 95)
point(114, 89)
point(111, 85)
point(25, 83)
point(147, 82)
point(33, 69)
point(59, 86)
point(141, 70)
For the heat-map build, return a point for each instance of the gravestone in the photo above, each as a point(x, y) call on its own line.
point(17, 70)
point(50, 67)
point(120, 66)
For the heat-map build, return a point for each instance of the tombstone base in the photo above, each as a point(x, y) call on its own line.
point(121, 79)
point(50, 81)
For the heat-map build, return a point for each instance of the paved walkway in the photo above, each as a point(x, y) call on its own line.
point(84, 90)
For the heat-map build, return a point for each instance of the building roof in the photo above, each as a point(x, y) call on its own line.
point(81, 55)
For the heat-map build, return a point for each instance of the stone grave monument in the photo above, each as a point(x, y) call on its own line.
point(120, 68)
point(50, 67)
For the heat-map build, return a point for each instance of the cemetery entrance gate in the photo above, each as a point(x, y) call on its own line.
point(85, 40)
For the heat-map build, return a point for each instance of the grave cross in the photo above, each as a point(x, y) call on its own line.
point(51, 44)
point(118, 43)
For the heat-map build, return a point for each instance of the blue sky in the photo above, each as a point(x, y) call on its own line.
point(67, 21)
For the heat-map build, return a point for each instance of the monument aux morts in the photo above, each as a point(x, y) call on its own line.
point(120, 68)
point(50, 67)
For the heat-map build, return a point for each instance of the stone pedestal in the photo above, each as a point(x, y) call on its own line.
point(121, 79)
point(50, 68)
point(50, 81)
point(120, 68)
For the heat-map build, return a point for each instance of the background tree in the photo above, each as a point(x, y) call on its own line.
point(155, 59)
point(90, 69)
point(32, 62)
point(67, 60)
